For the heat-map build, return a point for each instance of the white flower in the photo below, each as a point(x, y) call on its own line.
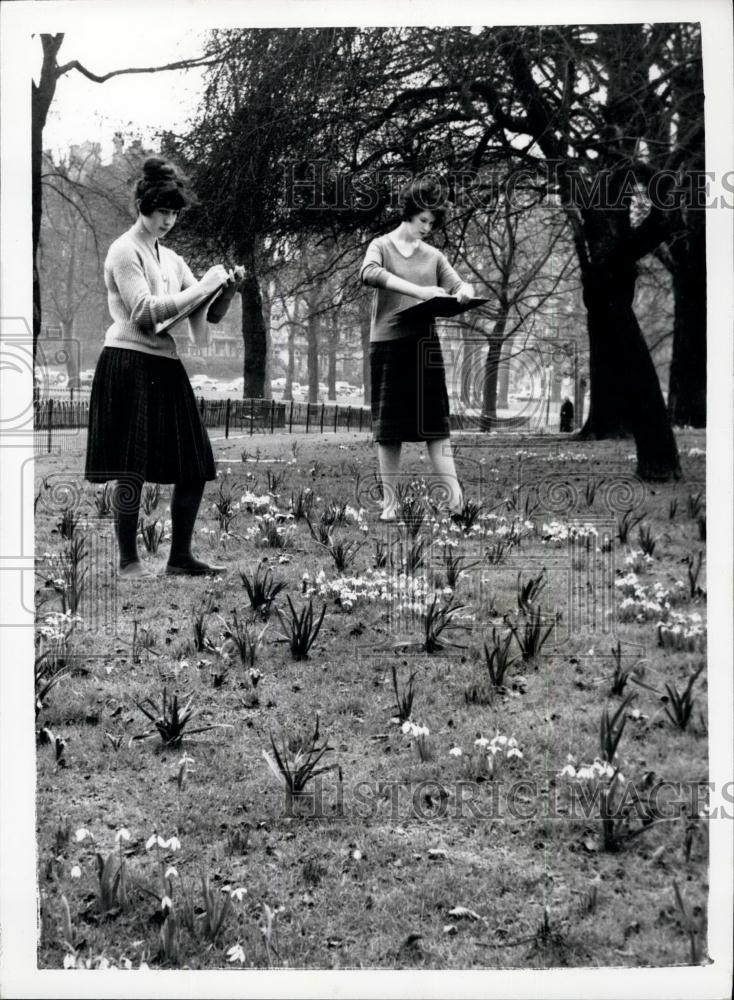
point(481, 742)
point(407, 726)
point(456, 751)
point(568, 771)
point(166, 903)
point(236, 954)
point(69, 961)
point(514, 752)
point(238, 893)
point(75, 872)
point(122, 834)
point(173, 844)
point(82, 833)
point(171, 872)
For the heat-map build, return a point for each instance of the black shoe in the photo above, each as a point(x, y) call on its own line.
point(194, 567)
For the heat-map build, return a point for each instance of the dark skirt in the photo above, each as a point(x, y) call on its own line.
point(409, 397)
point(144, 421)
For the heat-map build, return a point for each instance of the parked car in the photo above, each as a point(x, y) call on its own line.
point(236, 385)
point(346, 389)
point(203, 382)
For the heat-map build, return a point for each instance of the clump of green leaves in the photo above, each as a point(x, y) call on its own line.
point(200, 612)
point(343, 552)
point(295, 763)
point(262, 589)
point(170, 719)
point(529, 591)
point(302, 504)
point(403, 696)
point(497, 659)
point(300, 628)
point(679, 705)
point(626, 523)
point(646, 539)
point(438, 620)
point(693, 565)
point(623, 672)
point(532, 635)
point(611, 728)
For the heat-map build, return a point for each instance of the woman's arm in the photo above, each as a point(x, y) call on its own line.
point(452, 283)
point(145, 309)
point(218, 308)
point(374, 274)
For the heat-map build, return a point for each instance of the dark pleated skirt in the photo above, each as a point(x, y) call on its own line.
point(144, 421)
point(409, 397)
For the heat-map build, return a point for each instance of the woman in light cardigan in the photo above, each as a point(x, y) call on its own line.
point(144, 424)
point(409, 396)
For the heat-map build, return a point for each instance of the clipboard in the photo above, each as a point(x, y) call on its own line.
point(439, 305)
point(185, 313)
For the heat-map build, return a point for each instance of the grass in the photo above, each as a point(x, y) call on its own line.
point(361, 866)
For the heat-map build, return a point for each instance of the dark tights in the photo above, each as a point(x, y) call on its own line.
point(185, 504)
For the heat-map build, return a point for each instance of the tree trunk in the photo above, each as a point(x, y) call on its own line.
point(488, 417)
point(312, 350)
point(267, 387)
point(364, 332)
point(625, 391)
point(503, 385)
point(331, 356)
point(41, 96)
point(687, 382)
point(288, 391)
point(556, 380)
point(254, 333)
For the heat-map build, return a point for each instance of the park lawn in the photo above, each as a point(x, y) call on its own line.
point(368, 877)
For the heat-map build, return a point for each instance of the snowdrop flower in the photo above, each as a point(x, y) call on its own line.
point(75, 872)
point(171, 872)
point(568, 771)
point(173, 844)
point(407, 726)
point(456, 751)
point(481, 742)
point(122, 834)
point(238, 893)
point(236, 954)
point(69, 961)
point(82, 833)
point(166, 903)
point(514, 752)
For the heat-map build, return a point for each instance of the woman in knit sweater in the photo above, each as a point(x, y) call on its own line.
point(409, 397)
point(144, 424)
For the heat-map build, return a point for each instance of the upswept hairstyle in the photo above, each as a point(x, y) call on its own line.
point(424, 194)
point(161, 185)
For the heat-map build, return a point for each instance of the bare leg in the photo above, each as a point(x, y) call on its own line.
point(442, 460)
point(388, 455)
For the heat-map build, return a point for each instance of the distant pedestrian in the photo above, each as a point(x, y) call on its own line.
point(144, 424)
point(409, 396)
point(566, 416)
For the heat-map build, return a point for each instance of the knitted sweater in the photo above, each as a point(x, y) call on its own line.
point(140, 290)
point(425, 266)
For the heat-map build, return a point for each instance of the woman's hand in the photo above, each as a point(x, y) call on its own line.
point(235, 279)
point(432, 291)
point(464, 294)
point(214, 278)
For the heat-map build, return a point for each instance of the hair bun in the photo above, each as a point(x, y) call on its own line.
point(156, 169)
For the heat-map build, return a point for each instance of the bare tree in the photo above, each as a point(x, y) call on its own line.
point(41, 99)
